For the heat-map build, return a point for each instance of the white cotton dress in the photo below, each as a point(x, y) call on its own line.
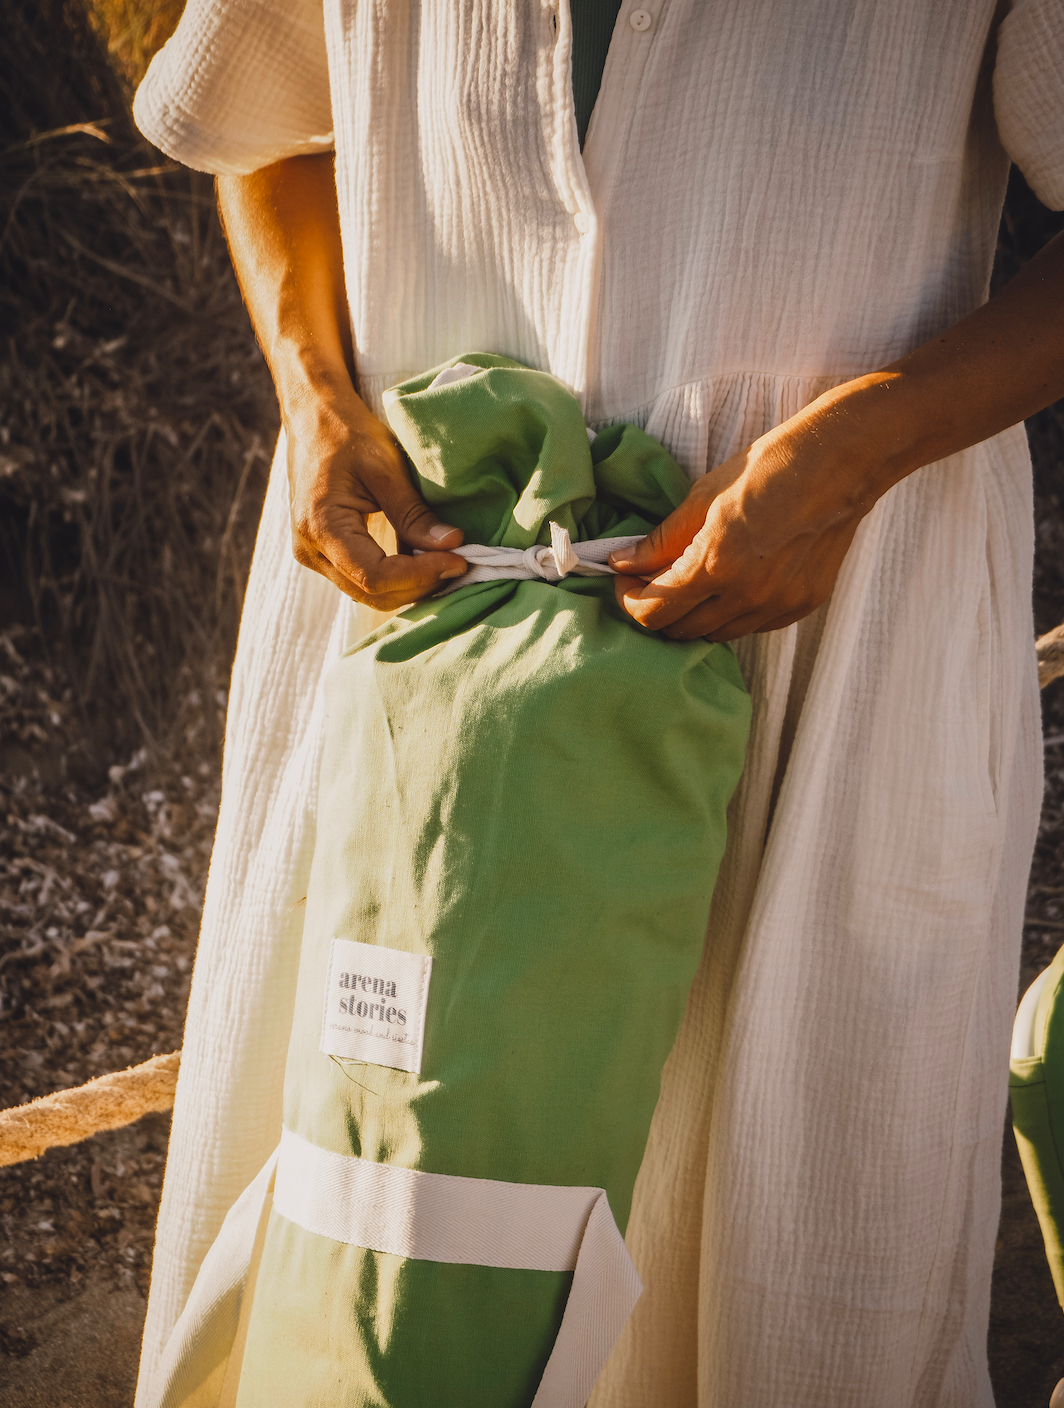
point(773, 197)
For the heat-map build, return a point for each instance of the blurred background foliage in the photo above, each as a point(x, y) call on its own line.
point(1026, 225)
point(133, 31)
point(136, 415)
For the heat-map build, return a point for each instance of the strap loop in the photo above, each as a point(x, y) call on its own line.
point(477, 1222)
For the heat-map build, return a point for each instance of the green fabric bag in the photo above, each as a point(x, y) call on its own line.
point(522, 785)
point(1036, 1092)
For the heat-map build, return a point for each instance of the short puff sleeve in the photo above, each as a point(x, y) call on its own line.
point(240, 84)
point(1029, 94)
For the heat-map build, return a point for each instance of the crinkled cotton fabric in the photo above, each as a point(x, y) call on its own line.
point(771, 199)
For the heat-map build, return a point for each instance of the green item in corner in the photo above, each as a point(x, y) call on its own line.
point(521, 813)
point(1036, 1091)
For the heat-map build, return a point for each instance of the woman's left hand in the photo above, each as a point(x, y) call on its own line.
point(756, 544)
point(759, 541)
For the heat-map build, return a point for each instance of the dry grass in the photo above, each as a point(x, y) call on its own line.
point(136, 419)
point(136, 415)
point(133, 31)
point(100, 895)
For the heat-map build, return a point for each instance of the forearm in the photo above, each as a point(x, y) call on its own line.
point(345, 467)
point(283, 230)
point(994, 368)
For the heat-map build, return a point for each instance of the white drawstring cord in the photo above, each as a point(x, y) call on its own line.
point(563, 558)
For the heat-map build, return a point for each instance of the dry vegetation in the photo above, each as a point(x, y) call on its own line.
point(133, 30)
point(136, 421)
point(136, 417)
point(135, 424)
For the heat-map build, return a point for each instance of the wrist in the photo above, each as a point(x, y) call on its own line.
point(865, 435)
point(836, 457)
point(319, 404)
point(305, 381)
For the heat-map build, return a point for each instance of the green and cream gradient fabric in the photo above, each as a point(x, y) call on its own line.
point(525, 787)
point(1036, 1092)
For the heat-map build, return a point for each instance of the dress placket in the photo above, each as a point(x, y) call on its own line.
point(616, 108)
point(569, 359)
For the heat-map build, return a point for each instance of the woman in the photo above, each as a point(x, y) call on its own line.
point(773, 255)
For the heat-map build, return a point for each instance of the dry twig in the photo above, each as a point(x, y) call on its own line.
point(1050, 650)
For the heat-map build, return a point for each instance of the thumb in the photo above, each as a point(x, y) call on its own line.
point(662, 545)
point(414, 522)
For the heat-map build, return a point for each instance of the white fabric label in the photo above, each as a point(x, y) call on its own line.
point(375, 1003)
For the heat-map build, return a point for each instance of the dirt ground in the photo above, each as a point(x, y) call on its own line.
point(101, 880)
point(106, 880)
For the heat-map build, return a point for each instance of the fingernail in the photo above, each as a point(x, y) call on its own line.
point(453, 572)
point(441, 530)
point(619, 563)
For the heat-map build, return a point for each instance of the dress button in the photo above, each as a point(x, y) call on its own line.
point(640, 20)
point(581, 222)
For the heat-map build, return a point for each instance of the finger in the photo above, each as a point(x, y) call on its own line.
point(721, 621)
point(716, 632)
point(709, 621)
point(663, 544)
point(382, 598)
point(679, 589)
point(365, 572)
point(782, 622)
point(749, 624)
point(724, 621)
point(649, 603)
point(762, 621)
point(671, 538)
point(414, 522)
point(320, 564)
point(698, 625)
point(647, 556)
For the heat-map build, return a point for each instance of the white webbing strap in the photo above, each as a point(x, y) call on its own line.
point(477, 1222)
point(562, 559)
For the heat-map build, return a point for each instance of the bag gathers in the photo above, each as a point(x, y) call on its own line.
point(520, 819)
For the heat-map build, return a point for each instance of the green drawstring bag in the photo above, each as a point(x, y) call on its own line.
point(1036, 1092)
point(521, 815)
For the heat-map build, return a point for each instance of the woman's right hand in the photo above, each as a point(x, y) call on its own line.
point(283, 228)
point(343, 465)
